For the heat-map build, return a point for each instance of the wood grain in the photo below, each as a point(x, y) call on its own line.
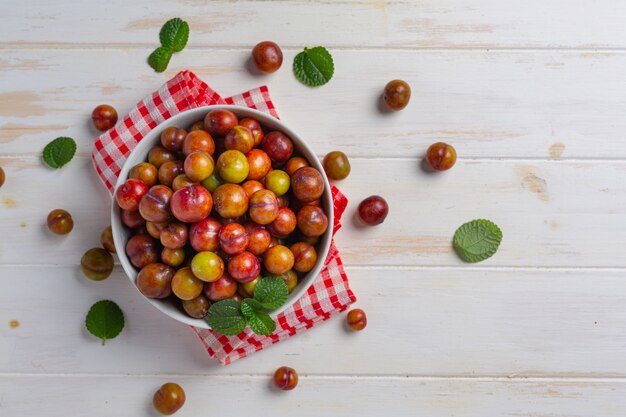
point(487, 104)
point(421, 322)
point(130, 396)
point(360, 23)
point(532, 201)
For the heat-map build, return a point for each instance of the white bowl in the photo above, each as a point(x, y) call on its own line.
point(183, 120)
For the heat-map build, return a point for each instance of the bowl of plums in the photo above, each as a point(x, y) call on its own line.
point(213, 200)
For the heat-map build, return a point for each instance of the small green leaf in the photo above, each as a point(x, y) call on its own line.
point(225, 317)
point(250, 306)
point(59, 152)
point(271, 292)
point(174, 34)
point(160, 58)
point(477, 240)
point(105, 320)
point(261, 323)
point(314, 66)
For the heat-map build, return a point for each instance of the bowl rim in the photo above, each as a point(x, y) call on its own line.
point(146, 143)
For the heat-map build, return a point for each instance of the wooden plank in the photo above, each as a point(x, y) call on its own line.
point(561, 214)
point(442, 322)
point(131, 396)
point(407, 24)
point(487, 104)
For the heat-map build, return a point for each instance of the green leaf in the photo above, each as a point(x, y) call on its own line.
point(314, 66)
point(225, 317)
point(160, 58)
point(477, 240)
point(59, 152)
point(250, 306)
point(174, 34)
point(271, 292)
point(261, 323)
point(105, 320)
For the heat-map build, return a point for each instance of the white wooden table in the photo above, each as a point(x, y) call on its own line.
point(532, 95)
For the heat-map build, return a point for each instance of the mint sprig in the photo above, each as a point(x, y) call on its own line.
point(59, 152)
point(229, 317)
point(314, 66)
point(477, 240)
point(105, 320)
point(225, 317)
point(173, 36)
point(160, 58)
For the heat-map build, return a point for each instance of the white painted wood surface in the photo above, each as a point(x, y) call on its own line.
point(530, 93)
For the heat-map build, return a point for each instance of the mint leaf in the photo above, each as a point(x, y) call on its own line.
point(105, 320)
point(261, 323)
point(59, 152)
point(271, 292)
point(174, 34)
point(477, 240)
point(250, 306)
point(160, 58)
point(225, 317)
point(314, 66)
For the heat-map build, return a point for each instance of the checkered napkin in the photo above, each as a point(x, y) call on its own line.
point(329, 294)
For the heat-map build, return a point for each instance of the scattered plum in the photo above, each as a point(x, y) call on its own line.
point(441, 156)
point(96, 264)
point(169, 398)
point(356, 319)
point(267, 56)
point(104, 117)
point(106, 239)
point(60, 222)
point(397, 95)
point(336, 165)
point(373, 210)
point(285, 378)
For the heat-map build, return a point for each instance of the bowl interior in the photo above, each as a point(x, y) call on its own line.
point(185, 119)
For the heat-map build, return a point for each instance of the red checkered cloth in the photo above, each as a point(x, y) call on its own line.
point(330, 293)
